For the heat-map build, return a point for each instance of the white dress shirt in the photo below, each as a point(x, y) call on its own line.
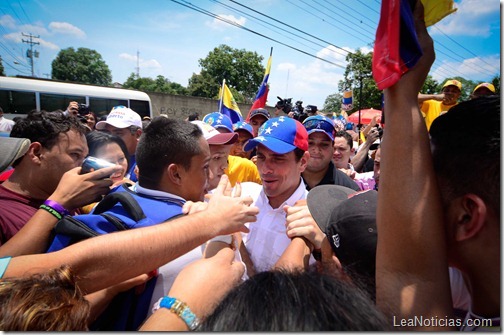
point(267, 239)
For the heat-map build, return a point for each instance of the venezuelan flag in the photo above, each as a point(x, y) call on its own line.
point(228, 105)
point(262, 93)
point(396, 48)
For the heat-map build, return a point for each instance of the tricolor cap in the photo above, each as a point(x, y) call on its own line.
point(121, 117)
point(487, 85)
point(242, 125)
point(320, 123)
point(281, 135)
point(453, 82)
point(219, 120)
point(213, 136)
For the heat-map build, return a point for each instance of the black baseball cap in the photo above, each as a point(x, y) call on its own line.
point(348, 218)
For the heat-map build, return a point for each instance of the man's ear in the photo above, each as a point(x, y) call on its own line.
point(471, 217)
point(304, 160)
point(35, 152)
point(138, 133)
point(174, 174)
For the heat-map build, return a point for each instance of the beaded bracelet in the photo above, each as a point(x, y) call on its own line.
point(182, 310)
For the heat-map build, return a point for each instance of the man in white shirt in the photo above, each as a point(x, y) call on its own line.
point(282, 155)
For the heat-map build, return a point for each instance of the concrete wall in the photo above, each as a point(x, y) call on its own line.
point(180, 106)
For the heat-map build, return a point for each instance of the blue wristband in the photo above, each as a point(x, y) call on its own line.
point(182, 310)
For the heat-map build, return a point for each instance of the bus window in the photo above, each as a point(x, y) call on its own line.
point(52, 102)
point(141, 107)
point(15, 102)
point(101, 107)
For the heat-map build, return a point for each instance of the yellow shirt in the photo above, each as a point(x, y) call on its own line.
point(431, 109)
point(242, 170)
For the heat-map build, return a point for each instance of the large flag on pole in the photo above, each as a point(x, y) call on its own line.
point(228, 105)
point(262, 93)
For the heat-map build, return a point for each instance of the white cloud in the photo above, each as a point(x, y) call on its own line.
point(148, 64)
point(66, 28)
point(476, 69)
point(127, 57)
point(218, 24)
point(310, 82)
point(34, 29)
point(16, 37)
point(7, 21)
point(48, 45)
point(472, 18)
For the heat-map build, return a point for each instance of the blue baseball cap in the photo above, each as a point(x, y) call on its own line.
point(320, 123)
point(281, 135)
point(219, 121)
point(242, 125)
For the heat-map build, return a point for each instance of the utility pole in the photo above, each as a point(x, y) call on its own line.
point(138, 65)
point(29, 53)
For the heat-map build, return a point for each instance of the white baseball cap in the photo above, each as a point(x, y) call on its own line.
point(213, 136)
point(121, 117)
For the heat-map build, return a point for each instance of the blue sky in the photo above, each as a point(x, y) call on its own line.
point(172, 38)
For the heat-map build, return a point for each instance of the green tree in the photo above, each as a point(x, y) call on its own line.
point(431, 86)
point(242, 70)
point(332, 103)
point(160, 84)
point(2, 70)
point(359, 70)
point(82, 65)
point(496, 82)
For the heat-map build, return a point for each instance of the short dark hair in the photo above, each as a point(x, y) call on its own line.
point(165, 141)
point(300, 301)
point(97, 139)
point(347, 136)
point(299, 154)
point(45, 127)
point(466, 150)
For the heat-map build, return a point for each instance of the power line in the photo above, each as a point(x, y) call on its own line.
point(306, 10)
point(203, 11)
point(374, 10)
point(271, 18)
point(347, 13)
point(460, 45)
point(259, 21)
point(22, 9)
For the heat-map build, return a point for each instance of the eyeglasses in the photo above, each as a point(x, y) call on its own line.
point(319, 124)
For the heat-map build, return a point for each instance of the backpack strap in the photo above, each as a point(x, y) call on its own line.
point(127, 201)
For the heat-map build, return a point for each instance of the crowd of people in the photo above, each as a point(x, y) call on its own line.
point(275, 224)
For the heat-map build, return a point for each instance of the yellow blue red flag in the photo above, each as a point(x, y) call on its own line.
point(228, 105)
point(262, 93)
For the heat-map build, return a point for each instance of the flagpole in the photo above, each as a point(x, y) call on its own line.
point(221, 95)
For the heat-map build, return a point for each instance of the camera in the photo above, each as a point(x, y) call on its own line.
point(91, 164)
point(83, 109)
point(380, 131)
point(284, 104)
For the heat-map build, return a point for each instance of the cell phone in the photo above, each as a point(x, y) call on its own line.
point(91, 164)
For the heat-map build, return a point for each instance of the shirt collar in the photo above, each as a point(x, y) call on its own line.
point(155, 193)
point(298, 194)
